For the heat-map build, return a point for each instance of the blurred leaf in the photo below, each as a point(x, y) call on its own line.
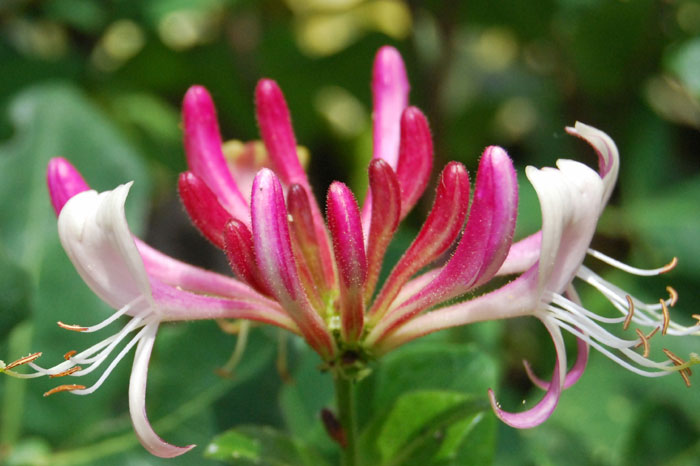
point(14, 294)
point(424, 366)
point(684, 62)
point(661, 432)
point(670, 221)
point(261, 446)
point(427, 427)
point(302, 399)
point(413, 373)
point(49, 121)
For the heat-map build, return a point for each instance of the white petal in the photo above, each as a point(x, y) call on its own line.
point(608, 155)
point(571, 202)
point(93, 231)
point(137, 401)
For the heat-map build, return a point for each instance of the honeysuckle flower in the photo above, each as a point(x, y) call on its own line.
point(317, 277)
point(93, 231)
point(572, 198)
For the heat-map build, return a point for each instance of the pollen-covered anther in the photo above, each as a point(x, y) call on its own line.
point(644, 341)
point(670, 266)
point(685, 372)
point(25, 360)
point(630, 312)
point(75, 328)
point(667, 316)
point(70, 371)
point(64, 388)
point(673, 295)
point(647, 337)
point(69, 354)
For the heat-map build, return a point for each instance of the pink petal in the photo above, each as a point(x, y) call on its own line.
point(389, 99)
point(304, 233)
point(137, 402)
point(204, 155)
point(516, 299)
point(390, 96)
point(175, 304)
point(238, 245)
point(386, 208)
point(64, 182)
point(203, 208)
point(522, 255)
point(542, 410)
point(415, 158)
point(572, 376)
point(278, 135)
point(486, 239)
point(439, 231)
point(273, 251)
point(348, 244)
point(188, 277)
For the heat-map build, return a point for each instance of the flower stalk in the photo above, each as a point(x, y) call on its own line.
point(347, 416)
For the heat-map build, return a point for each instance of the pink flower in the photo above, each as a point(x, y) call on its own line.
point(572, 198)
point(317, 277)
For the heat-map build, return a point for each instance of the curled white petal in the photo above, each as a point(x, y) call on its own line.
point(94, 233)
point(570, 201)
point(137, 400)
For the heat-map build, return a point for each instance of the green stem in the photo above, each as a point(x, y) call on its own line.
point(345, 398)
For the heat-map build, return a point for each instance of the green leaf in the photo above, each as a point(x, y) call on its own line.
point(427, 427)
point(49, 121)
point(261, 446)
point(428, 387)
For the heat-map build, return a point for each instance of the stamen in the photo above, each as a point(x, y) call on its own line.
point(75, 328)
point(696, 317)
point(685, 372)
point(69, 354)
point(674, 295)
point(644, 341)
point(677, 360)
point(66, 372)
point(648, 336)
point(670, 266)
point(630, 312)
point(633, 270)
point(64, 388)
point(667, 316)
point(24, 360)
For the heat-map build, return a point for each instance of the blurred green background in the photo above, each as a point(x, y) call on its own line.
point(100, 83)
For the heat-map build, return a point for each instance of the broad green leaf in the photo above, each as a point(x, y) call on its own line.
point(426, 427)
point(413, 373)
point(49, 121)
point(261, 446)
point(433, 365)
point(303, 398)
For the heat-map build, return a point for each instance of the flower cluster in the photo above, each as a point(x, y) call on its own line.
point(318, 278)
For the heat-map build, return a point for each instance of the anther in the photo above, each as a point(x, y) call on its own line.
point(24, 360)
point(685, 372)
point(75, 328)
point(64, 388)
point(648, 336)
point(670, 266)
point(630, 312)
point(66, 372)
point(667, 316)
point(673, 294)
point(696, 317)
point(644, 342)
point(69, 354)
